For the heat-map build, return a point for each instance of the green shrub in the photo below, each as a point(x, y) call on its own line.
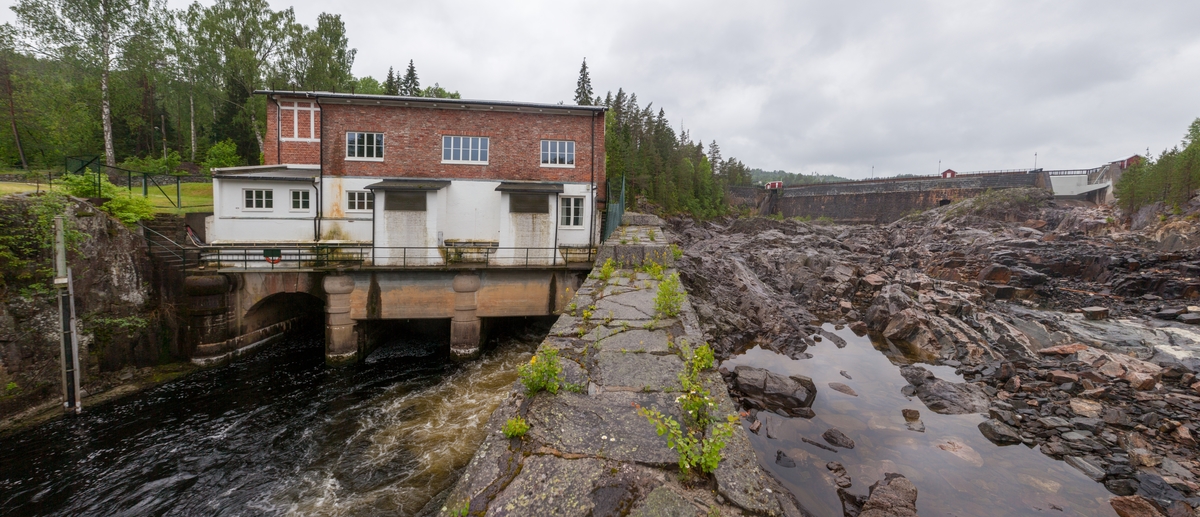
point(669, 300)
point(676, 251)
point(606, 270)
point(129, 209)
point(153, 165)
point(542, 373)
point(11, 389)
point(515, 427)
point(221, 154)
point(699, 440)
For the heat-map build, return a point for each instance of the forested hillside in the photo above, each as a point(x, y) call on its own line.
point(133, 78)
point(759, 177)
point(1171, 178)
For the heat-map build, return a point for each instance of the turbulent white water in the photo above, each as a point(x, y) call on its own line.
point(278, 433)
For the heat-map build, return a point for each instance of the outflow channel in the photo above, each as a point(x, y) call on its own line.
point(277, 433)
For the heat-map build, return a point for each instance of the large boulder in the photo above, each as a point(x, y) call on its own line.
point(765, 390)
point(892, 496)
point(947, 398)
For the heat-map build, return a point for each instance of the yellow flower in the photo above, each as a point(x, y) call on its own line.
point(533, 360)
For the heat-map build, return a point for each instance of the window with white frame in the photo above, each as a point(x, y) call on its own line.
point(364, 146)
point(360, 200)
point(558, 153)
point(258, 199)
point(571, 212)
point(300, 200)
point(465, 149)
point(298, 121)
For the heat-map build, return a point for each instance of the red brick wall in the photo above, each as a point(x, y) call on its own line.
point(276, 152)
point(413, 142)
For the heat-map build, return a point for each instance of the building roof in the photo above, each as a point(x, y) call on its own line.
point(409, 184)
point(285, 172)
point(537, 187)
point(429, 102)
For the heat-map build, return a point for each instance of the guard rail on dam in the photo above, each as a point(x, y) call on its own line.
point(878, 201)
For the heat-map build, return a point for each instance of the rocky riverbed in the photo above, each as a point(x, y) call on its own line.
point(1070, 328)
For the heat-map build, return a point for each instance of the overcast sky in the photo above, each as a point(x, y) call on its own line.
point(829, 87)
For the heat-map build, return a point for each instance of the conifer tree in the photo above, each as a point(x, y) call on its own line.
point(391, 86)
point(583, 87)
point(410, 85)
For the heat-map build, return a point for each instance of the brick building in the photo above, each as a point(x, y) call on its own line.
point(414, 176)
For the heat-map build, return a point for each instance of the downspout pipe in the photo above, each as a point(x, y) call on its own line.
point(278, 131)
point(320, 176)
point(595, 190)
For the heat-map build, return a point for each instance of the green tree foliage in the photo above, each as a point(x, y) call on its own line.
point(222, 154)
point(410, 85)
point(436, 91)
point(583, 87)
point(759, 177)
point(1172, 178)
point(391, 86)
point(665, 167)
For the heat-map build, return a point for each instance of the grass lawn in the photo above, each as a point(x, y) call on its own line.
point(197, 197)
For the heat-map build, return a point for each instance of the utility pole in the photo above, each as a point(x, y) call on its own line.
point(1035, 161)
point(66, 311)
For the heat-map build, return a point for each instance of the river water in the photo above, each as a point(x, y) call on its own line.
point(277, 433)
point(956, 470)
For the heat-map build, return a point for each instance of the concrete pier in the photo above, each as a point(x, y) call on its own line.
point(465, 326)
point(341, 342)
point(587, 450)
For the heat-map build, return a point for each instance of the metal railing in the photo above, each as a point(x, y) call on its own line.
point(343, 256)
point(130, 179)
point(1073, 172)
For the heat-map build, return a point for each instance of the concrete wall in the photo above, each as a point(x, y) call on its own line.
point(884, 201)
point(428, 294)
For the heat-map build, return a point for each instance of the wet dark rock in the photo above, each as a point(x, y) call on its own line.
point(783, 460)
point(817, 444)
point(1122, 486)
point(838, 439)
point(765, 390)
point(841, 478)
point(839, 387)
point(999, 432)
point(1135, 506)
point(892, 496)
point(911, 414)
point(945, 397)
point(1089, 468)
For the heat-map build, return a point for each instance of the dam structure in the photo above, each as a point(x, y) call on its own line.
point(372, 208)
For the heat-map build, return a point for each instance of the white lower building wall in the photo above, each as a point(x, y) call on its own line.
point(466, 210)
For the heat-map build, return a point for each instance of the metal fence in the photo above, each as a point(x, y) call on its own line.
point(615, 210)
point(354, 256)
point(169, 185)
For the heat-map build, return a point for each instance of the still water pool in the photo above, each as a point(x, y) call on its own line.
point(956, 470)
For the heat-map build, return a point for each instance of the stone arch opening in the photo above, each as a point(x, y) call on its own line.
point(943, 202)
point(281, 307)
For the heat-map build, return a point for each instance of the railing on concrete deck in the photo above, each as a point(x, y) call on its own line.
point(339, 256)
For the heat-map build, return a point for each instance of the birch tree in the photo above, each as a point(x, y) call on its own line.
point(93, 33)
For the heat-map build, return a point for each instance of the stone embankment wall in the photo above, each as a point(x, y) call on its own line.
point(878, 201)
point(123, 327)
point(587, 451)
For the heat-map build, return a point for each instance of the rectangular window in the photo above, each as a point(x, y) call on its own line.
point(259, 199)
point(571, 211)
point(299, 200)
point(364, 146)
point(465, 149)
point(298, 121)
point(360, 200)
point(528, 204)
point(558, 153)
point(409, 201)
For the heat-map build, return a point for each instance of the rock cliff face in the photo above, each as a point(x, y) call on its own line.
point(122, 325)
point(996, 287)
